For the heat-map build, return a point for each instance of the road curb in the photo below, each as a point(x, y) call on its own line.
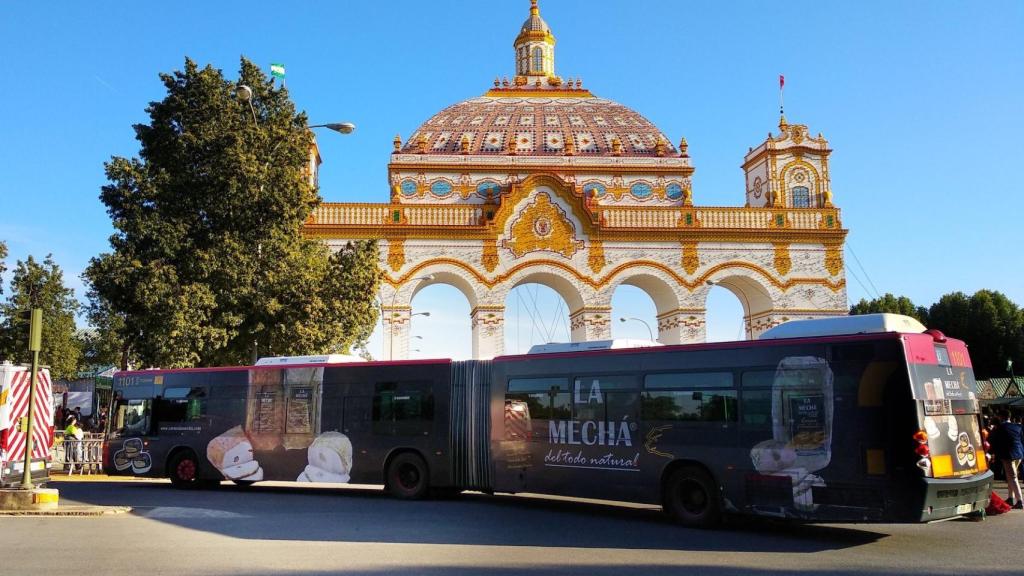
point(71, 511)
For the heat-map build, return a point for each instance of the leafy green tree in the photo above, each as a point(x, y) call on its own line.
point(41, 285)
point(209, 265)
point(893, 305)
point(104, 343)
point(991, 325)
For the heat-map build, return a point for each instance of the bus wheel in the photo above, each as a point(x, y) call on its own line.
point(407, 477)
point(183, 469)
point(692, 498)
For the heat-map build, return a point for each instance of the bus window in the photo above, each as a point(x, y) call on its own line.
point(608, 398)
point(756, 408)
point(181, 405)
point(402, 408)
point(692, 380)
point(690, 396)
point(942, 356)
point(131, 417)
point(543, 399)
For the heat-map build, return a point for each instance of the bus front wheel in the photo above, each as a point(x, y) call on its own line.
point(692, 498)
point(183, 470)
point(407, 477)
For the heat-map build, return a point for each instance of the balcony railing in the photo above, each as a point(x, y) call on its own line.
point(610, 217)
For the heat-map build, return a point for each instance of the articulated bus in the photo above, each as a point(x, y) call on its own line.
point(858, 419)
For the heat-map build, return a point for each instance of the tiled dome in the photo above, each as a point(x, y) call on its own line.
point(541, 126)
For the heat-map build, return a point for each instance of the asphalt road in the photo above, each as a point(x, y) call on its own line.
point(287, 530)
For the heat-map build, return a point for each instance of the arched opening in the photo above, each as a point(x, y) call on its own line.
point(634, 314)
point(724, 317)
point(535, 314)
point(538, 60)
point(446, 332)
point(753, 299)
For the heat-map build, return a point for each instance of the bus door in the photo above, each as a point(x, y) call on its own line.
point(131, 425)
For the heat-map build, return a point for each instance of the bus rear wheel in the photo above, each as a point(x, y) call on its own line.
point(183, 470)
point(407, 477)
point(692, 498)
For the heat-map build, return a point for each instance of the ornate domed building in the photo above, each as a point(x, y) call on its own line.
point(540, 181)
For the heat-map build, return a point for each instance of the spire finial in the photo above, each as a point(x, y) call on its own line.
point(534, 10)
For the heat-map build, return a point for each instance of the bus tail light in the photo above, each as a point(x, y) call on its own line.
point(922, 450)
point(984, 433)
point(986, 446)
point(921, 437)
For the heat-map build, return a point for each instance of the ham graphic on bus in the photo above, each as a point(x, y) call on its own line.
point(801, 442)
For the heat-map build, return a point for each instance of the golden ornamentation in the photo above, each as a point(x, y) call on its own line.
point(783, 263)
point(542, 226)
point(690, 260)
point(616, 146)
point(397, 143)
point(688, 219)
point(464, 144)
point(596, 257)
point(490, 256)
point(604, 281)
point(396, 254)
point(682, 148)
point(833, 258)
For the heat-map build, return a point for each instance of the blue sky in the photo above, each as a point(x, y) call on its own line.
point(921, 102)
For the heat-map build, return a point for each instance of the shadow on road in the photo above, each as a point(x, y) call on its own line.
point(359, 515)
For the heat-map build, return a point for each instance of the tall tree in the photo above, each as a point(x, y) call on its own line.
point(209, 265)
point(891, 304)
point(990, 323)
point(36, 285)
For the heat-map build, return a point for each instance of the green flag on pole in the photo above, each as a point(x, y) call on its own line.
point(277, 71)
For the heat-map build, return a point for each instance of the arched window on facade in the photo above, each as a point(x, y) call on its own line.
point(538, 59)
point(801, 197)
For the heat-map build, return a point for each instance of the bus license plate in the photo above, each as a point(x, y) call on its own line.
point(964, 508)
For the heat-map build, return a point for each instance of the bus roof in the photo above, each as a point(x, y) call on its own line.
point(554, 347)
point(860, 324)
point(315, 359)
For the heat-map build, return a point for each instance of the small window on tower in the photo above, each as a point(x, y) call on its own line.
point(801, 197)
point(538, 60)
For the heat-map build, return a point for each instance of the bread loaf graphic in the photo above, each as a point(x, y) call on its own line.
point(231, 453)
point(330, 459)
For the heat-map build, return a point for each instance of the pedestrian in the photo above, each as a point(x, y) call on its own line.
point(73, 436)
point(1009, 448)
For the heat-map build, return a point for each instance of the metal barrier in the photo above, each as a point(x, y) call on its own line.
point(83, 456)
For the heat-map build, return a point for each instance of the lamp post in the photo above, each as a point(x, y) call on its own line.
point(650, 333)
point(746, 308)
point(245, 94)
point(391, 309)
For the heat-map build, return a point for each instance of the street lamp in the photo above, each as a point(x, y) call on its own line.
point(746, 307)
point(650, 333)
point(339, 127)
point(391, 340)
point(245, 94)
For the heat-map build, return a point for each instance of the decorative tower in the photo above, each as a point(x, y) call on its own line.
point(789, 170)
point(535, 49)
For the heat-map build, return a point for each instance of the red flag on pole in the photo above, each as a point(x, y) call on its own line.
point(782, 81)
